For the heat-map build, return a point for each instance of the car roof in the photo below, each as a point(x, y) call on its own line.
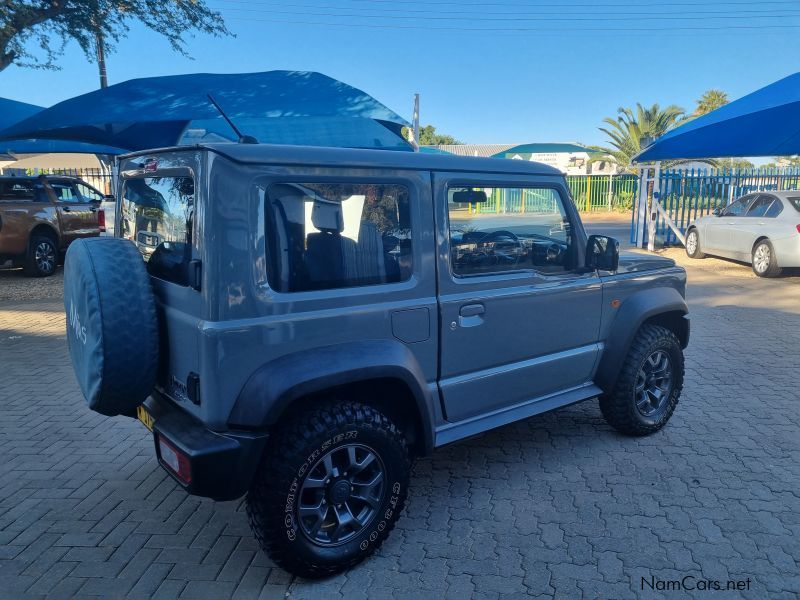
point(37, 177)
point(780, 193)
point(365, 158)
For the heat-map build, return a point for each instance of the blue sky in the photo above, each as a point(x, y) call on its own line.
point(492, 71)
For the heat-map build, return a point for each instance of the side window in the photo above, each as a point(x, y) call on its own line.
point(495, 230)
point(774, 210)
point(89, 194)
point(157, 215)
point(65, 192)
point(738, 208)
point(18, 191)
point(760, 206)
point(336, 235)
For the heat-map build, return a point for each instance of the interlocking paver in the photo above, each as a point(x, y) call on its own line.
point(555, 507)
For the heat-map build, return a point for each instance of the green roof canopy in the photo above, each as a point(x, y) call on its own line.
point(547, 148)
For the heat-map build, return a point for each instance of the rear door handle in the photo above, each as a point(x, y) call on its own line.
point(65, 208)
point(472, 310)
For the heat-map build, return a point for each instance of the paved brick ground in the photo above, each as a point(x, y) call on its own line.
point(559, 506)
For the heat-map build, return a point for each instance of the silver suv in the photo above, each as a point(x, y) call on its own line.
point(309, 320)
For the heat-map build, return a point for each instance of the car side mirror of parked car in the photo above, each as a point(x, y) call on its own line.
point(717, 212)
point(602, 252)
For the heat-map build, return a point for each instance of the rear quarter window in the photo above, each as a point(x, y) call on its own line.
point(336, 235)
point(795, 202)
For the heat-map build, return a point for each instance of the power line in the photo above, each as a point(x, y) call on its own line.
point(528, 29)
point(621, 19)
point(753, 13)
point(602, 5)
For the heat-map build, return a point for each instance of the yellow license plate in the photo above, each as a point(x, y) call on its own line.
point(145, 417)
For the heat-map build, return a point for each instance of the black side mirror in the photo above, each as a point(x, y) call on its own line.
point(109, 198)
point(717, 212)
point(602, 253)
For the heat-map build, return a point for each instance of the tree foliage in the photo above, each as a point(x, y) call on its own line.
point(710, 100)
point(429, 137)
point(631, 127)
point(50, 24)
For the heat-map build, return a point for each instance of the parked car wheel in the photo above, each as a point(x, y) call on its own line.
point(330, 487)
point(42, 257)
point(649, 384)
point(693, 244)
point(765, 263)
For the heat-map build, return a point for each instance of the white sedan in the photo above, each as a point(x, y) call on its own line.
point(762, 229)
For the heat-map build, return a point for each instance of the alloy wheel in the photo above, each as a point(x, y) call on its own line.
point(45, 256)
point(691, 242)
point(761, 258)
point(653, 383)
point(341, 494)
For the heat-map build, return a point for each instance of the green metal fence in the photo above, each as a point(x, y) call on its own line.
point(591, 192)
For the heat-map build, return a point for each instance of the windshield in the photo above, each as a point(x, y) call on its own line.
point(157, 215)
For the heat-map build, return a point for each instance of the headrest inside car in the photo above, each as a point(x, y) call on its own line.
point(327, 216)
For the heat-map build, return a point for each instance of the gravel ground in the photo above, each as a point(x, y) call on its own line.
point(14, 285)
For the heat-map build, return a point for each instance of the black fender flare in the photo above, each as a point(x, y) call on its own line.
point(272, 387)
point(631, 315)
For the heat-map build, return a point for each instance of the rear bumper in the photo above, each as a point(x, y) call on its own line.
point(222, 465)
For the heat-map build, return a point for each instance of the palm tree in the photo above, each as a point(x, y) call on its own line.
point(630, 128)
point(710, 100)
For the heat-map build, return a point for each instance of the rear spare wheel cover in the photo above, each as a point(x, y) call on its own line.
point(112, 328)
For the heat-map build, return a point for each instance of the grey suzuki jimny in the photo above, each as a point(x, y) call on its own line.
point(298, 324)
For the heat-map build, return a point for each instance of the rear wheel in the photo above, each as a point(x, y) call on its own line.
point(765, 263)
point(693, 245)
point(649, 384)
point(330, 487)
point(42, 256)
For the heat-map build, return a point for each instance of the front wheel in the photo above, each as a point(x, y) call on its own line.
point(765, 263)
point(649, 384)
point(330, 487)
point(693, 245)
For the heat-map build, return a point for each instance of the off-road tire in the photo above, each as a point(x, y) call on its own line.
point(34, 267)
point(773, 269)
point(619, 407)
point(289, 459)
point(698, 249)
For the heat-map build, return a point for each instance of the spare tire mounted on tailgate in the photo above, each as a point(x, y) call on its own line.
point(112, 328)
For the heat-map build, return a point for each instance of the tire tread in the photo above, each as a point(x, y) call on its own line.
point(279, 463)
point(617, 407)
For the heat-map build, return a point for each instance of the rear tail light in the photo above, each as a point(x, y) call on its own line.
point(798, 229)
point(175, 460)
point(101, 219)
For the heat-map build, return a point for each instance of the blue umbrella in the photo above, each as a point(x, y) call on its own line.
point(764, 123)
point(308, 107)
point(12, 112)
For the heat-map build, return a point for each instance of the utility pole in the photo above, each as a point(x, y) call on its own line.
point(415, 122)
point(100, 43)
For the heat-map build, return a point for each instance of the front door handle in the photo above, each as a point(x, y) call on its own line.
point(472, 310)
point(65, 208)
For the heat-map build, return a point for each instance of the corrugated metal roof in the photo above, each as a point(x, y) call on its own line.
point(484, 150)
